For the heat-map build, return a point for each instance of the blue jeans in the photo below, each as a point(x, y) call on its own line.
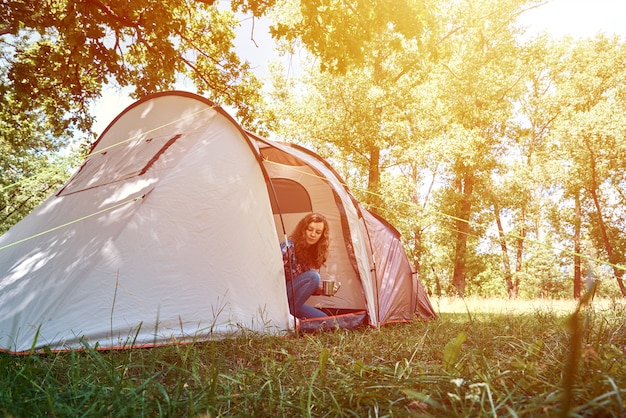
point(303, 286)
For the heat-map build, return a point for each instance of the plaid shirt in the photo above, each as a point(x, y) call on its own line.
point(291, 261)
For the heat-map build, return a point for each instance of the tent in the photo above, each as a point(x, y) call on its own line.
point(170, 229)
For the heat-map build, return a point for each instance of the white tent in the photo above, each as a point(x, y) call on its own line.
point(169, 231)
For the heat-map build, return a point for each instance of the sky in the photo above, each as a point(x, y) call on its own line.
point(577, 18)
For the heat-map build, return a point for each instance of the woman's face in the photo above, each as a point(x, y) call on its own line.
point(314, 232)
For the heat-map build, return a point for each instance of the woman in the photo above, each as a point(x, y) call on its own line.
point(304, 253)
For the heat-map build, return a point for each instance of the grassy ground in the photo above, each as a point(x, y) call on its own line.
point(481, 358)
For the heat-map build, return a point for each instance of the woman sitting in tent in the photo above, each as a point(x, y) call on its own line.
point(304, 253)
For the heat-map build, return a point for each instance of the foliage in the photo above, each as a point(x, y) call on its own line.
point(341, 33)
point(36, 179)
point(511, 363)
point(473, 140)
point(58, 55)
point(476, 141)
point(488, 280)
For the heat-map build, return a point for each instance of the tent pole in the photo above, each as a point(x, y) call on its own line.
point(282, 224)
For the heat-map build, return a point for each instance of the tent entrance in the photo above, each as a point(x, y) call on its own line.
point(292, 197)
point(300, 190)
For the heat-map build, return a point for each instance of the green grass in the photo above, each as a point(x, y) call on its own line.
point(517, 360)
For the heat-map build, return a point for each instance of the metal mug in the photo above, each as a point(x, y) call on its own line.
point(329, 287)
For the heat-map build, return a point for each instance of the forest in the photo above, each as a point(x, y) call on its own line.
point(498, 155)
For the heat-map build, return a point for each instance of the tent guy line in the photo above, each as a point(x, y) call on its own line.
point(135, 199)
point(210, 189)
point(510, 234)
point(103, 150)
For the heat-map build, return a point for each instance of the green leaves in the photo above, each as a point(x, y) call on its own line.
point(59, 56)
point(341, 33)
point(452, 351)
point(59, 59)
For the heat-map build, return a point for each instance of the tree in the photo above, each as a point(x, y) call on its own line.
point(479, 81)
point(590, 138)
point(359, 119)
point(519, 196)
point(57, 55)
point(341, 34)
point(42, 176)
point(29, 170)
point(512, 284)
point(414, 105)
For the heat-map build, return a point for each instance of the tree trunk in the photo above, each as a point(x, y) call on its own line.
point(417, 249)
point(577, 248)
point(437, 282)
point(607, 243)
point(593, 190)
point(373, 180)
point(465, 186)
point(22, 203)
point(519, 255)
point(511, 288)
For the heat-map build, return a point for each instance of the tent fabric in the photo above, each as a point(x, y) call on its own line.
point(292, 196)
point(394, 285)
point(169, 232)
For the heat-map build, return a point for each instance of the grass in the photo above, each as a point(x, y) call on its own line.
point(517, 360)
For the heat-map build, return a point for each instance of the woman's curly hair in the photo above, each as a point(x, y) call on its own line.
point(312, 256)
